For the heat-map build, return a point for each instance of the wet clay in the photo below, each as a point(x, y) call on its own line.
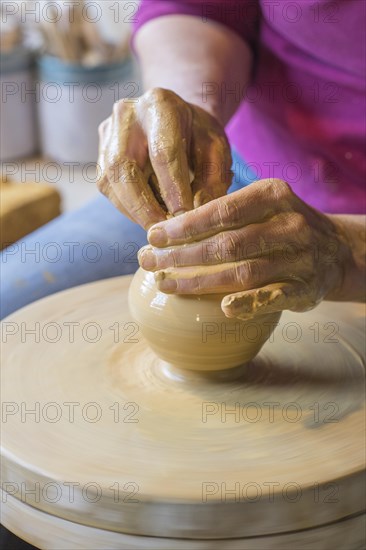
point(156, 187)
point(192, 332)
point(271, 450)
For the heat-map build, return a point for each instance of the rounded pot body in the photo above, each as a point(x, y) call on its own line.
point(192, 332)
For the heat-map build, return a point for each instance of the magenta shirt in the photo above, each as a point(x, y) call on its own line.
point(303, 117)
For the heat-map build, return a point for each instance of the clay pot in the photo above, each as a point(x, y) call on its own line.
point(192, 332)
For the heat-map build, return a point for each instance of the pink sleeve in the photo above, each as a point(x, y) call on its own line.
point(242, 16)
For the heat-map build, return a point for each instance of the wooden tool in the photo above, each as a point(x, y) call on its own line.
point(122, 450)
point(10, 31)
point(76, 39)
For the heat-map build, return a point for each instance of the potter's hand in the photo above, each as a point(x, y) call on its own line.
point(161, 155)
point(262, 245)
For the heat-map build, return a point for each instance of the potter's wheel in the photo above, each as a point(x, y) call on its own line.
point(123, 451)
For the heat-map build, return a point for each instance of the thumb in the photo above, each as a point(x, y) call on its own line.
point(292, 295)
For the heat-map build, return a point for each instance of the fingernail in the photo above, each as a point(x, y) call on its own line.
point(227, 301)
point(201, 198)
point(147, 259)
point(167, 285)
point(157, 236)
point(240, 307)
point(180, 212)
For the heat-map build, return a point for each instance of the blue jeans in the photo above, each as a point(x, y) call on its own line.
point(91, 243)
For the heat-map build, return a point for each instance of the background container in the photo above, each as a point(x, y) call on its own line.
point(74, 100)
point(18, 128)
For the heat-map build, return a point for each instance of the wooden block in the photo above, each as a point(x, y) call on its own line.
point(24, 208)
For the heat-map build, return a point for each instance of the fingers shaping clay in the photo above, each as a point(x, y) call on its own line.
point(192, 332)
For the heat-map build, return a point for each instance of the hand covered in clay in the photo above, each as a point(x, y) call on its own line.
point(262, 245)
point(161, 156)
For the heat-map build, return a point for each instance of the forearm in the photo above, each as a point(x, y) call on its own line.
point(201, 62)
point(351, 229)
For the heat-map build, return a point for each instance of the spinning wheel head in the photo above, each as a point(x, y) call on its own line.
point(269, 454)
point(192, 332)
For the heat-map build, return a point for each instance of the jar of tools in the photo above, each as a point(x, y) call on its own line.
point(18, 129)
point(74, 99)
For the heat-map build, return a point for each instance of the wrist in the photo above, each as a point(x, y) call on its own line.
point(213, 108)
